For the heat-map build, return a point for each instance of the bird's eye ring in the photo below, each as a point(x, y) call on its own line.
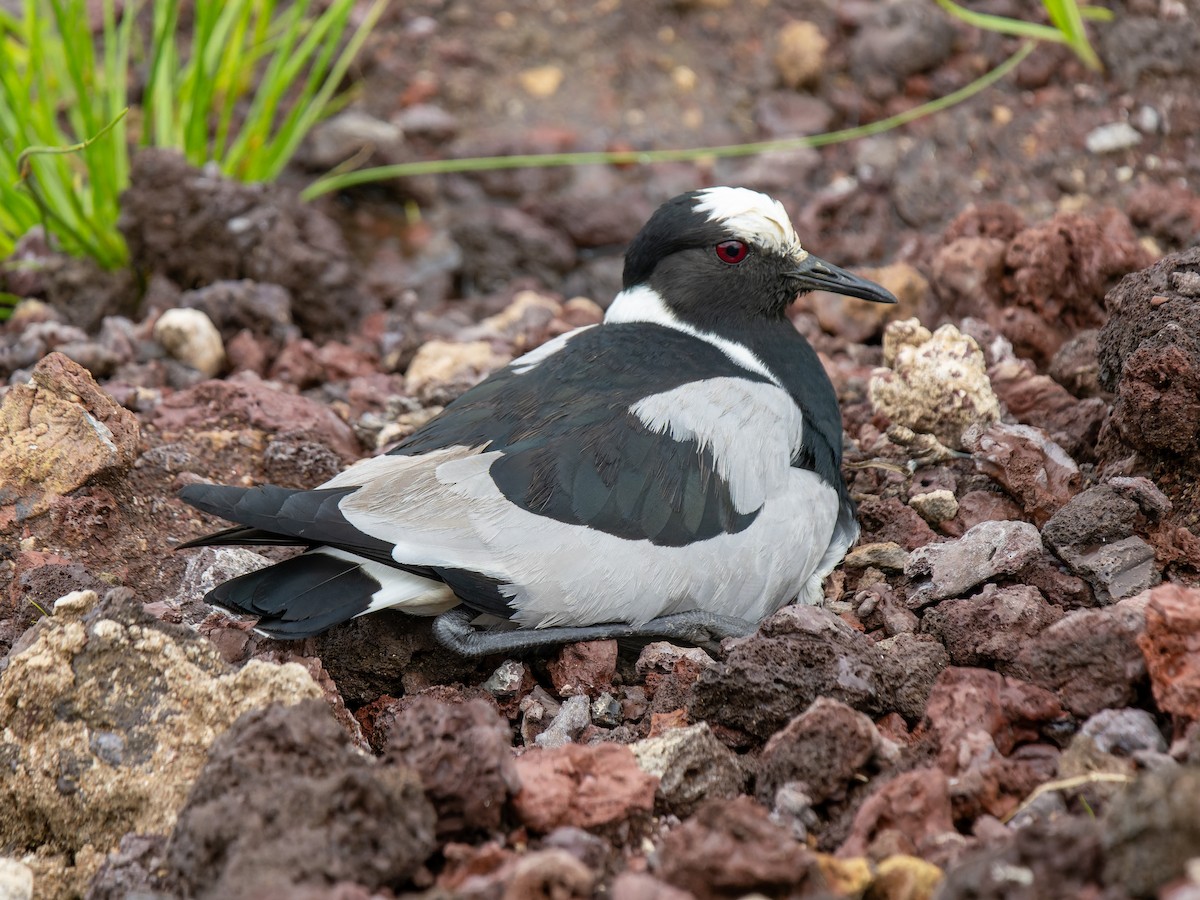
point(732, 252)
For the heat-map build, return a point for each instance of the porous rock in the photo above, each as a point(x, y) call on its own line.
point(691, 766)
point(105, 717)
point(908, 812)
point(286, 800)
point(197, 228)
point(1149, 353)
point(57, 433)
point(1152, 830)
point(586, 786)
point(824, 747)
point(730, 848)
point(1171, 646)
point(1035, 470)
point(1090, 657)
point(990, 628)
point(584, 668)
point(463, 754)
point(797, 655)
point(936, 384)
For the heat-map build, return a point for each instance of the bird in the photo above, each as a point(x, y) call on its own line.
point(673, 471)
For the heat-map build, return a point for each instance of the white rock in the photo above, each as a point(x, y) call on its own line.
point(1113, 137)
point(190, 336)
point(16, 879)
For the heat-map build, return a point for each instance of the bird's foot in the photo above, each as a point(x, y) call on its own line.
point(454, 630)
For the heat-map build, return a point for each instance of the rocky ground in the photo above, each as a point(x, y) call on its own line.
point(999, 698)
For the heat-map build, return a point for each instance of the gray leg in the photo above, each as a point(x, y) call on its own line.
point(454, 630)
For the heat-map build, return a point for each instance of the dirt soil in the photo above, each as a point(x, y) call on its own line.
point(1000, 697)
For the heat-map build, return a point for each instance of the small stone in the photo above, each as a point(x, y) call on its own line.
point(350, 132)
point(1124, 732)
point(538, 710)
point(443, 369)
point(691, 765)
point(584, 668)
point(1111, 138)
point(1031, 467)
point(911, 810)
point(935, 506)
point(800, 54)
point(606, 710)
point(936, 384)
point(16, 880)
point(586, 786)
point(541, 81)
point(886, 555)
point(505, 683)
point(1151, 831)
point(191, 337)
point(573, 717)
point(903, 877)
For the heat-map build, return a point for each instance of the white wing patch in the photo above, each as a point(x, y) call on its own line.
point(443, 509)
point(534, 357)
point(757, 218)
point(644, 304)
point(751, 429)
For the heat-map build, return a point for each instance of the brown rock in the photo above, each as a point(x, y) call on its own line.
point(825, 747)
point(463, 753)
point(213, 405)
point(1031, 467)
point(967, 273)
point(910, 811)
point(889, 520)
point(1090, 657)
point(587, 786)
point(550, 874)
point(1041, 401)
point(992, 627)
point(1171, 646)
point(981, 506)
point(989, 550)
point(1061, 269)
point(584, 668)
point(286, 800)
point(732, 848)
point(691, 766)
point(1152, 830)
point(57, 433)
point(640, 886)
point(800, 653)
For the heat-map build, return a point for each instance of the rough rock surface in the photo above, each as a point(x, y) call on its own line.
point(461, 751)
point(285, 799)
point(1171, 646)
point(57, 433)
point(105, 718)
point(935, 384)
point(691, 766)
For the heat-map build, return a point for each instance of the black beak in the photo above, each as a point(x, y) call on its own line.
point(814, 274)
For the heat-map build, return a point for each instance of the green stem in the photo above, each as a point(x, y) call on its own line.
point(343, 180)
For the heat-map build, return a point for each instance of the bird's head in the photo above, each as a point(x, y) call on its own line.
point(723, 254)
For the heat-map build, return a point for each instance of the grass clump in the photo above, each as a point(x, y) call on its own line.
point(242, 93)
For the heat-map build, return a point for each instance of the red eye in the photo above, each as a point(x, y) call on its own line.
point(732, 252)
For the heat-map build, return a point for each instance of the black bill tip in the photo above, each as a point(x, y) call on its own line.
point(814, 274)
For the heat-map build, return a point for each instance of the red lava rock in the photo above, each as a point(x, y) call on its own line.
point(967, 273)
point(286, 800)
point(584, 668)
point(470, 871)
point(1076, 367)
point(1090, 657)
point(244, 307)
point(1060, 270)
point(824, 747)
point(976, 717)
point(587, 786)
point(1171, 646)
point(730, 848)
point(1030, 466)
point(886, 519)
point(248, 404)
point(1150, 355)
point(981, 506)
point(991, 627)
point(549, 875)
point(911, 663)
point(1041, 401)
point(910, 813)
point(1169, 213)
point(463, 753)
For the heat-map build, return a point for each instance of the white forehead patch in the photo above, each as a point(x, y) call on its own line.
point(759, 219)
